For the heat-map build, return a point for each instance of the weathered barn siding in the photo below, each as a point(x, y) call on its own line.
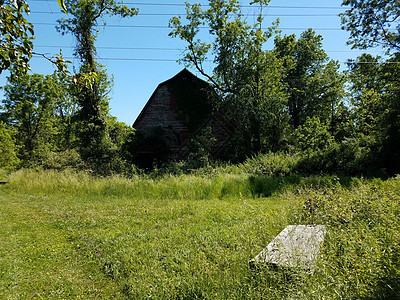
point(178, 111)
point(159, 113)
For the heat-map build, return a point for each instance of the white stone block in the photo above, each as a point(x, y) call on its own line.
point(296, 246)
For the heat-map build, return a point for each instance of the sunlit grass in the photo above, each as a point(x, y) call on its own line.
point(70, 235)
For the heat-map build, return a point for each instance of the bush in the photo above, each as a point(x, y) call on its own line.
point(278, 164)
point(62, 160)
point(8, 149)
point(312, 136)
point(351, 157)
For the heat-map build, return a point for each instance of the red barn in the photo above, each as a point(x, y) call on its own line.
point(176, 114)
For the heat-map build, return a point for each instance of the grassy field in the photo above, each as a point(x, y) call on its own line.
point(67, 235)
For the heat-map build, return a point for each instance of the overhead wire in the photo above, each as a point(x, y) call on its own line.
point(200, 27)
point(203, 27)
point(173, 49)
point(184, 14)
point(207, 5)
point(175, 60)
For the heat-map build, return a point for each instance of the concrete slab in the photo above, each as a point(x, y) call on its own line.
point(296, 246)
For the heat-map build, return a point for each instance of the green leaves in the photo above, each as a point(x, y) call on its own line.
point(8, 149)
point(372, 23)
point(314, 84)
point(16, 35)
point(245, 76)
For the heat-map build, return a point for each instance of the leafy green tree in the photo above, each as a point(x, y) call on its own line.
point(372, 23)
point(27, 108)
point(366, 90)
point(245, 77)
point(40, 110)
point(376, 100)
point(8, 149)
point(65, 108)
point(313, 82)
point(16, 36)
point(313, 135)
point(83, 23)
point(375, 85)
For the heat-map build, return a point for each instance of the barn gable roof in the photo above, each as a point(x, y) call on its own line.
point(185, 74)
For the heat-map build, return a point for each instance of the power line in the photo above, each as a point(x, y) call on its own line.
point(184, 14)
point(117, 48)
point(207, 5)
point(174, 60)
point(200, 27)
point(175, 49)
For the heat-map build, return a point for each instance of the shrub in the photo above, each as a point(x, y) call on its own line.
point(8, 151)
point(277, 164)
point(62, 160)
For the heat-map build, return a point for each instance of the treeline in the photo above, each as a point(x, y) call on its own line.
point(291, 98)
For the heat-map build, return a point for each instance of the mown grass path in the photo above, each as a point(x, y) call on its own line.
point(70, 236)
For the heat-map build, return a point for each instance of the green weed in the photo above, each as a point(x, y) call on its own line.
point(70, 235)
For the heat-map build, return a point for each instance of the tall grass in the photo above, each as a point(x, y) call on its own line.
point(69, 235)
point(76, 184)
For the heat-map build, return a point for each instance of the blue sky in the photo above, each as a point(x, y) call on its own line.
point(139, 53)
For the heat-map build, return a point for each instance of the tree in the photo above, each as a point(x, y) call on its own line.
point(245, 77)
point(375, 97)
point(313, 82)
point(16, 36)
point(40, 110)
point(8, 151)
point(312, 136)
point(85, 18)
point(372, 23)
point(65, 109)
point(28, 107)
point(375, 84)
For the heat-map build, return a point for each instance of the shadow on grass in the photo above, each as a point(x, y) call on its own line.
point(388, 288)
point(265, 186)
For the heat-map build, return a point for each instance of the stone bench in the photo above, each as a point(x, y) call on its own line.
point(296, 246)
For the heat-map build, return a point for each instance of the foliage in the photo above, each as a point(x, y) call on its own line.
point(8, 149)
point(16, 36)
point(375, 85)
point(245, 76)
point(314, 84)
point(61, 160)
point(375, 97)
point(270, 164)
point(83, 21)
point(352, 156)
point(312, 136)
point(40, 110)
point(28, 107)
point(202, 144)
point(372, 23)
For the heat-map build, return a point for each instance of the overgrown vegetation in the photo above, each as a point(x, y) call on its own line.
point(288, 99)
point(187, 230)
point(70, 235)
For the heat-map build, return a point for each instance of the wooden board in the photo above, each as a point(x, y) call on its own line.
point(295, 246)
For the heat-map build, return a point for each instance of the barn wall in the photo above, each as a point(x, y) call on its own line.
point(159, 113)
